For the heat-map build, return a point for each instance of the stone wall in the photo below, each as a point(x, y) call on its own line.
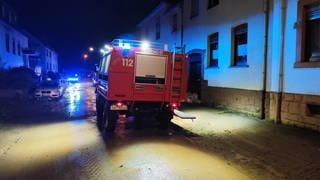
point(237, 99)
point(296, 109)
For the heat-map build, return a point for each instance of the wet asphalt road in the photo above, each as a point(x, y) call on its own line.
point(59, 140)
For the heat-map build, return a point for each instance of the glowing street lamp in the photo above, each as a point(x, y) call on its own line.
point(85, 56)
point(91, 49)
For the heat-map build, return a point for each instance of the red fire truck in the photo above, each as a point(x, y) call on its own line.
point(140, 79)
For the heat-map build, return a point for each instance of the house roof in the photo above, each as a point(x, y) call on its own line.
point(164, 6)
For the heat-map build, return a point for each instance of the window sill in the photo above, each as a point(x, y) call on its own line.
point(239, 66)
point(212, 7)
point(213, 67)
point(314, 64)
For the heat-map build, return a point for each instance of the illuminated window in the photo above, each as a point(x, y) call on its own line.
point(212, 3)
point(158, 29)
point(175, 23)
point(308, 34)
point(194, 8)
point(7, 42)
point(213, 50)
point(240, 41)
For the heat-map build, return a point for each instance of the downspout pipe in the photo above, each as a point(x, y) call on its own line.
point(281, 63)
point(265, 60)
point(182, 24)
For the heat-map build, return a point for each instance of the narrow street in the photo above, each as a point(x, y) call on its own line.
point(59, 140)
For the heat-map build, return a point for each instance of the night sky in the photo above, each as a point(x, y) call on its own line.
point(71, 26)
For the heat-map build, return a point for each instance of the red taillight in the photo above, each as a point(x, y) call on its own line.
point(174, 105)
point(119, 104)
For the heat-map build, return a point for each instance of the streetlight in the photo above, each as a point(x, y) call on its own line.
point(85, 56)
point(91, 49)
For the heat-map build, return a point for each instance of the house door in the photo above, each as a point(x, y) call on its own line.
point(194, 81)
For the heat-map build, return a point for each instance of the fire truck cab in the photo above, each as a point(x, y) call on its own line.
point(140, 79)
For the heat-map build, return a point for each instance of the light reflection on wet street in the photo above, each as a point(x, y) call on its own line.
point(60, 141)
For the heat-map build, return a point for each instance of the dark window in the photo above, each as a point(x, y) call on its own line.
point(1, 9)
point(19, 48)
point(194, 8)
point(212, 3)
point(10, 17)
point(5, 13)
point(240, 41)
point(15, 20)
point(14, 46)
point(213, 50)
point(158, 29)
point(308, 34)
point(175, 23)
point(7, 42)
point(313, 109)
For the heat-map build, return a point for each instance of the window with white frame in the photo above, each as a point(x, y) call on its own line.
point(213, 50)
point(240, 42)
point(308, 34)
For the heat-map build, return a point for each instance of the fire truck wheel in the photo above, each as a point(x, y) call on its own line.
point(109, 118)
point(164, 119)
point(138, 117)
point(99, 109)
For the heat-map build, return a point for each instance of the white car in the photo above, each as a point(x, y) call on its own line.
point(52, 90)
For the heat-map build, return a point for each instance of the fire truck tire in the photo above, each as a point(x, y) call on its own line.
point(138, 117)
point(99, 108)
point(109, 118)
point(164, 119)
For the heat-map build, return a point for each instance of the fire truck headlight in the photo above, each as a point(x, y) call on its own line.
point(102, 51)
point(107, 47)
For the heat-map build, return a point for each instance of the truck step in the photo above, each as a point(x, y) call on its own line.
point(183, 115)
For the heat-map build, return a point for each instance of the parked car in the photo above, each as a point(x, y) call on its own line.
point(73, 78)
point(50, 89)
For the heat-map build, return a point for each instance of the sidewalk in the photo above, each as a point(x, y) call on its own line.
point(260, 147)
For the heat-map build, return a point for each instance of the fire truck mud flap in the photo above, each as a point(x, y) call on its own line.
point(183, 115)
